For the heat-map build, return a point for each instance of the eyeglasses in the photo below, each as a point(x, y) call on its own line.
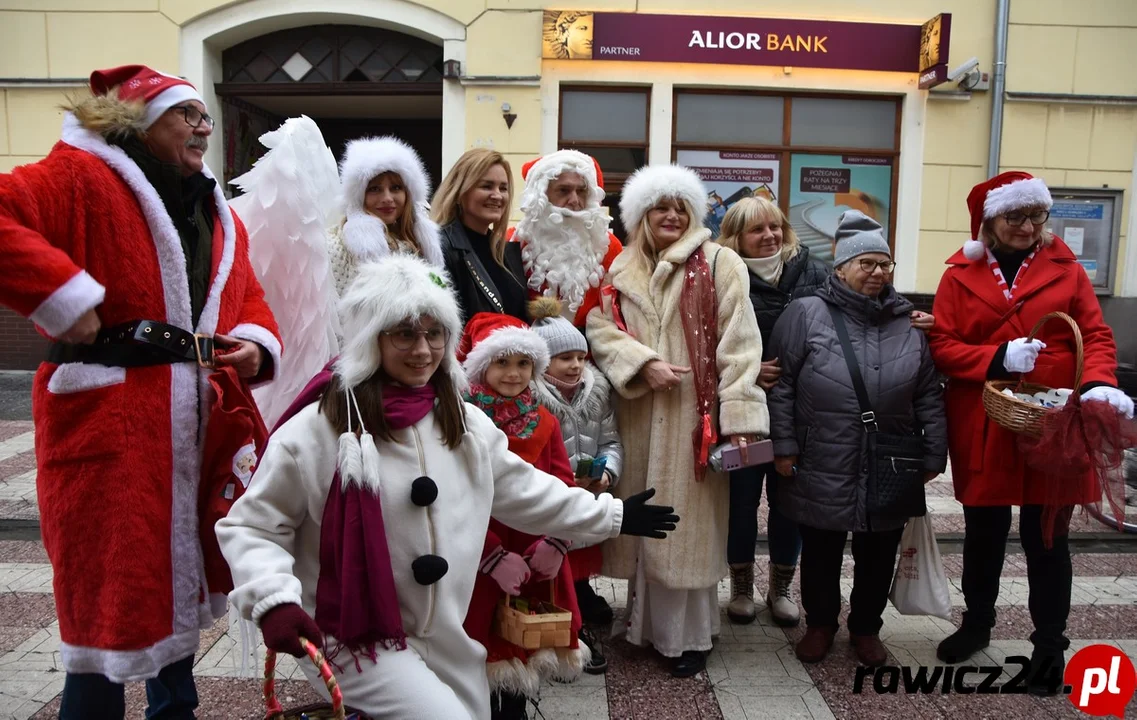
point(1018, 218)
point(406, 338)
point(194, 117)
point(870, 266)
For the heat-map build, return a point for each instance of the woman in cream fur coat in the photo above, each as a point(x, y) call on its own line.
point(677, 338)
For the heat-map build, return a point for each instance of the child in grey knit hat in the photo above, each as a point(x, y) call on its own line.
point(579, 395)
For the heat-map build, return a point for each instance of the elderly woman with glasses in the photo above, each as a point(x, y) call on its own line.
point(994, 291)
point(821, 434)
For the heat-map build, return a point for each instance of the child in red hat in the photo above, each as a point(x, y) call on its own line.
point(503, 356)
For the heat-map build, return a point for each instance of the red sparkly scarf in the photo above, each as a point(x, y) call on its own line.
point(698, 305)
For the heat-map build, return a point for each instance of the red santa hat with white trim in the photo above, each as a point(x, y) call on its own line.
point(157, 90)
point(489, 336)
point(1006, 192)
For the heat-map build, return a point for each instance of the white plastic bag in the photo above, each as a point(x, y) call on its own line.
point(919, 586)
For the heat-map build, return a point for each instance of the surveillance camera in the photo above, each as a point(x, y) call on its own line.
point(963, 69)
point(505, 107)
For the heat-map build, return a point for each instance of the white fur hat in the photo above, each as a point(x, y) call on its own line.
point(384, 294)
point(365, 235)
point(650, 184)
point(489, 336)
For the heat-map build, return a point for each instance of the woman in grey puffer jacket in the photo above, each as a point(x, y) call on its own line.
point(820, 442)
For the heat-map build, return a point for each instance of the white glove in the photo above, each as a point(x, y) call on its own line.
point(1113, 396)
point(1021, 355)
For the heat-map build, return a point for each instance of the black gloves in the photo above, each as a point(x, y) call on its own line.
point(653, 521)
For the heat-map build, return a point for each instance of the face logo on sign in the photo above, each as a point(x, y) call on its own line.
point(930, 42)
point(567, 35)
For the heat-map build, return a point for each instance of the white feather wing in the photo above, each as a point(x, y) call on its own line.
point(289, 202)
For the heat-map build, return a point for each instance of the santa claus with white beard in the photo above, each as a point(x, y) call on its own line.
point(565, 243)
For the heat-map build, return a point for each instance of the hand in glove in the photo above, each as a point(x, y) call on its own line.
point(545, 557)
point(284, 625)
point(1021, 355)
point(653, 521)
point(509, 570)
point(1117, 398)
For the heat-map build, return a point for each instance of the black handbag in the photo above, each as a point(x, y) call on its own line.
point(895, 461)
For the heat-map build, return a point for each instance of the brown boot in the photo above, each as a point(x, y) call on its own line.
point(815, 645)
point(869, 649)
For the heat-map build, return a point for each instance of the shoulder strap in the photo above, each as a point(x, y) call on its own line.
point(867, 415)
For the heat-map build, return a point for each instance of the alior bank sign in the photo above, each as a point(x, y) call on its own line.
point(582, 35)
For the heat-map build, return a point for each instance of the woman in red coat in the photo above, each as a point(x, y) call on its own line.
point(1005, 279)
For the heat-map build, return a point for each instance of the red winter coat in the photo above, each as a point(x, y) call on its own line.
point(592, 297)
point(544, 450)
point(119, 451)
point(973, 318)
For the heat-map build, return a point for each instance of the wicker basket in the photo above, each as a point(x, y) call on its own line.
point(1019, 416)
point(545, 626)
point(320, 711)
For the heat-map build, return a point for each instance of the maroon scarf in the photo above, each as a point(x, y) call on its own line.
point(356, 599)
point(698, 306)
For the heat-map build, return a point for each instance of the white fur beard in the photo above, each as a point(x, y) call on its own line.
point(563, 252)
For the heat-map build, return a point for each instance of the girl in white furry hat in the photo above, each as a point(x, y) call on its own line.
point(385, 192)
point(363, 528)
point(677, 338)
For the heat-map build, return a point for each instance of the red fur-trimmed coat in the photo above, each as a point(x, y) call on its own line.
point(973, 318)
point(119, 450)
point(511, 668)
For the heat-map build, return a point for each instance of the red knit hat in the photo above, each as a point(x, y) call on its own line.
point(489, 336)
point(1012, 190)
point(158, 90)
point(527, 166)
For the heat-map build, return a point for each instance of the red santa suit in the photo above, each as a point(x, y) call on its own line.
point(566, 254)
point(119, 450)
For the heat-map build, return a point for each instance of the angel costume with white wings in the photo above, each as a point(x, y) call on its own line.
point(309, 231)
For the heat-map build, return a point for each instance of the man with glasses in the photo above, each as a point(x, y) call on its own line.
point(122, 250)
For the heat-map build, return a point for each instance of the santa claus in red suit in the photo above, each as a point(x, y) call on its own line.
point(565, 243)
point(120, 247)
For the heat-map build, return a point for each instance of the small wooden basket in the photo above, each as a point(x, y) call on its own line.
point(319, 711)
point(550, 626)
point(1023, 417)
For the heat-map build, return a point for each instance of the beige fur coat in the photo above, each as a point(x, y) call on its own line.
point(657, 427)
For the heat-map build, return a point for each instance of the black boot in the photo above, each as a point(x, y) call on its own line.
point(963, 643)
point(598, 664)
point(594, 610)
point(690, 663)
point(1047, 672)
point(508, 706)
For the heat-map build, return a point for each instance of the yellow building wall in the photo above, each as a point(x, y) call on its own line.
point(1056, 46)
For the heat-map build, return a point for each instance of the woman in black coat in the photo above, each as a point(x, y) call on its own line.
point(780, 271)
point(472, 207)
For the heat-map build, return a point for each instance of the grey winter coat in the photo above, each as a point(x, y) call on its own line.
point(588, 422)
point(814, 412)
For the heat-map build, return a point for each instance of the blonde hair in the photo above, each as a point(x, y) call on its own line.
point(643, 240)
point(748, 212)
point(446, 207)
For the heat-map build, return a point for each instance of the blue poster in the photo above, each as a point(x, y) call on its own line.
point(824, 186)
point(1078, 211)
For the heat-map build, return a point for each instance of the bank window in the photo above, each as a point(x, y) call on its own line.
point(815, 156)
point(611, 125)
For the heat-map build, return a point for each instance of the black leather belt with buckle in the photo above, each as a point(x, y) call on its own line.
point(138, 344)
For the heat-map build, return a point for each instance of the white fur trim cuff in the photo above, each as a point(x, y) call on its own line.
point(507, 341)
point(261, 336)
point(276, 599)
point(68, 303)
point(1015, 196)
point(650, 184)
point(123, 666)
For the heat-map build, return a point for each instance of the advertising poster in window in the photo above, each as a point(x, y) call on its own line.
point(824, 186)
point(1086, 225)
point(731, 176)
